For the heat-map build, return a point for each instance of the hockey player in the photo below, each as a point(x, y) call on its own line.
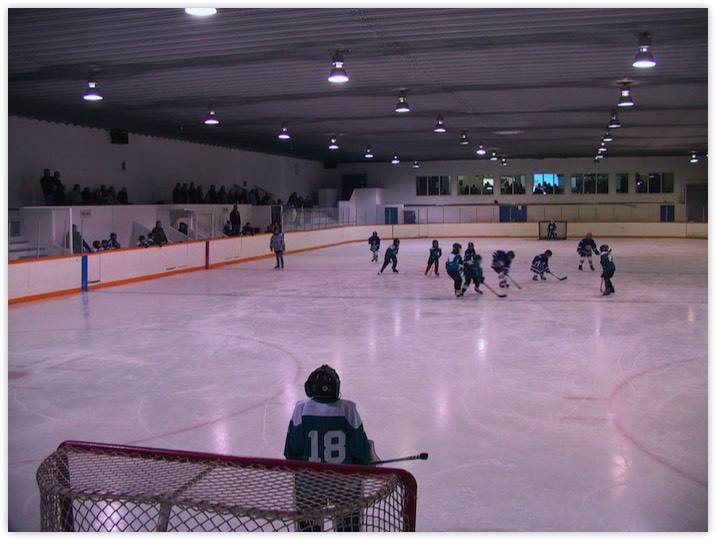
point(608, 268)
point(434, 257)
point(277, 244)
point(325, 428)
point(453, 266)
point(586, 247)
point(501, 262)
point(473, 273)
point(551, 230)
point(391, 255)
point(374, 243)
point(540, 265)
point(469, 252)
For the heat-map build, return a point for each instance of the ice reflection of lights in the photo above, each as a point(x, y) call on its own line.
point(397, 330)
point(620, 469)
point(220, 438)
point(690, 317)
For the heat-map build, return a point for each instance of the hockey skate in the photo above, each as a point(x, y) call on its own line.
point(535, 278)
point(580, 267)
point(592, 267)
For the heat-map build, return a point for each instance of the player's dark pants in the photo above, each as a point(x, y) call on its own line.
point(457, 278)
point(432, 262)
point(279, 259)
point(387, 260)
point(607, 276)
point(471, 278)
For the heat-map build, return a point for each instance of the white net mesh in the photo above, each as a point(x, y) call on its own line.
point(94, 487)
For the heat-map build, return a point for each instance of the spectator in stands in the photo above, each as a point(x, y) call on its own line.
point(199, 194)
point(184, 193)
point(105, 245)
point(123, 196)
point(97, 245)
point(78, 243)
point(176, 194)
point(248, 229)
point(59, 189)
point(158, 236)
point(111, 196)
point(221, 196)
point(227, 228)
point(212, 197)
point(142, 241)
point(235, 218)
point(75, 196)
point(254, 196)
point(48, 187)
point(86, 196)
point(191, 193)
point(113, 244)
point(183, 228)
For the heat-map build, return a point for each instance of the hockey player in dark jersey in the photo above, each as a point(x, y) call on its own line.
point(391, 255)
point(434, 257)
point(453, 266)
point(501, 261)
point(328, 429)
point(608, 268)
point(586, 247)
point(473, 273)
point(469, 252)
point(540, 265)
point(374, 243)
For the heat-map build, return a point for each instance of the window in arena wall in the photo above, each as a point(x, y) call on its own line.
point(547, 183)
point(654, 182)
point(478, 184)
point(512, 184)
point(589, 183)
point(432, 185)
point(622, 182)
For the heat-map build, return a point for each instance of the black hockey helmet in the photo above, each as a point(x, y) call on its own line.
point(548, 253)
point(435, 242)
point(375, 233)
point(510, 254)
point(396, 241)
point(603, 248)
point(456, 246)
point(470, 244)
point(323, 384)
point(477, 257)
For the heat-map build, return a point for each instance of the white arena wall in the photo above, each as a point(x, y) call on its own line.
point(41, 278)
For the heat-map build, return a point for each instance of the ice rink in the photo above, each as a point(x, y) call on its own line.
point(554, 409)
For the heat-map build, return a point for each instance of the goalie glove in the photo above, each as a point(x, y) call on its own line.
point(373, 456)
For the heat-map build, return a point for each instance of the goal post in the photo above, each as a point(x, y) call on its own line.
point(560, 231)
point(88, 486)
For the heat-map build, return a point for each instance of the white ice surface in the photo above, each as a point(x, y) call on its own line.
point(554, 409)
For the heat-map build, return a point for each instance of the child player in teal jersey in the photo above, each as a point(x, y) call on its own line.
point(473, 273)
point(434, 257)
point(325, 428)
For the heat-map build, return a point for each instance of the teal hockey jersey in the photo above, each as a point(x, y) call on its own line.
point(327, 432)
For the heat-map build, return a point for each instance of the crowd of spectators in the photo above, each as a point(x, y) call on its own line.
point(55, 193)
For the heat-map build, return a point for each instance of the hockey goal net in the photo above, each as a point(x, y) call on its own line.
point(100, 487)
point(560, 232)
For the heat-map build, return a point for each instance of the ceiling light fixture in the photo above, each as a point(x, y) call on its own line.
point(338, 73)
point(598, 158)
point(694, 158)
point(440, 126)
point(402, 106)
point(493, 156)
point(503, 162)
point(368, 153)
point(481, 150)
point(284, 134)
point(607, 136)
point(625, 100)
point(463, 138)
point(200, 12)
point(644, 58)
point(602, 148)
point(334, 144)
point(614, 123)
point(416, 165)
point(92, 93)
point(211, 119)
point(395, 159)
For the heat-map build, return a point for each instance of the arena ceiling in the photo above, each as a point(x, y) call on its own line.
point(527, 83)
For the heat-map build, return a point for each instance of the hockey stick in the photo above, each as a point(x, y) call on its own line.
point(493, 291)
point(559, 278)
point(513, 281)
point(423, 455)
